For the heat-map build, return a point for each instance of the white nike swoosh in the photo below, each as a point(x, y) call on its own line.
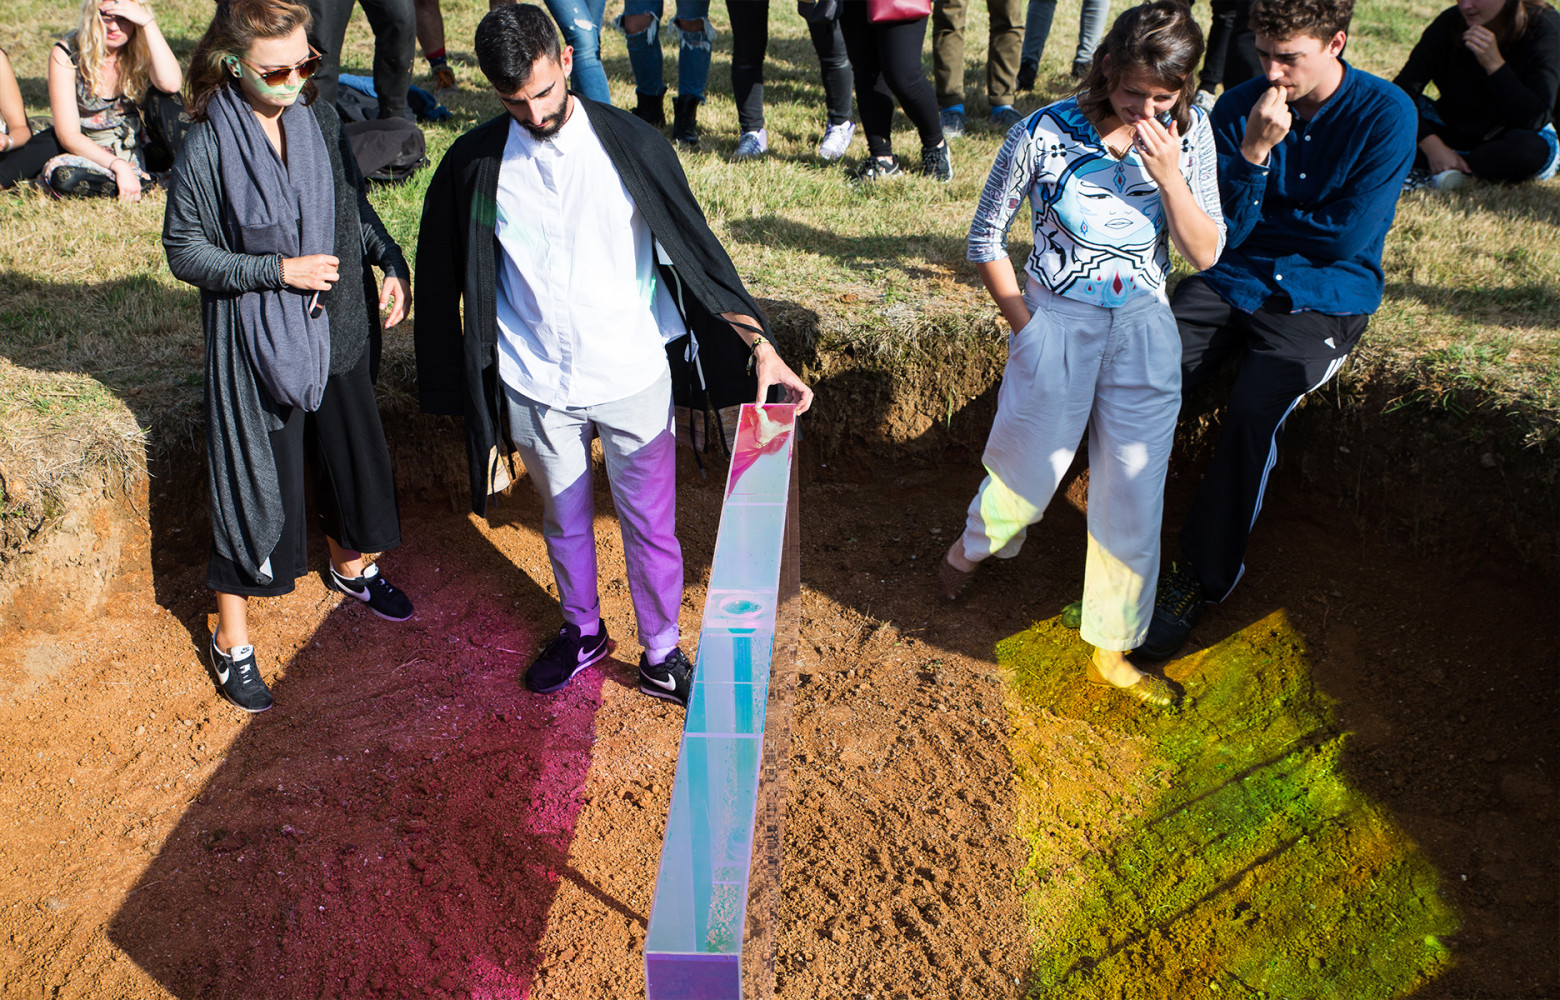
point(670, 684)
point(222, 675)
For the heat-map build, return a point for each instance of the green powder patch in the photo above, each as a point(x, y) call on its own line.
point(1215, 850)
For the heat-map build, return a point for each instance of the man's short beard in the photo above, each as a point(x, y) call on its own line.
point(550, 126)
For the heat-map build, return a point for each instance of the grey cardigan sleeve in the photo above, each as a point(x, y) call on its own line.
point(192, 226)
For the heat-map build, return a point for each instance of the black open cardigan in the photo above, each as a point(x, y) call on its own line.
point(457, 371)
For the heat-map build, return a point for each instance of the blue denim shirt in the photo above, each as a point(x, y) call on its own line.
point(1312, 222)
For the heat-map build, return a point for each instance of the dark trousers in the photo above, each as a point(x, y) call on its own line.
point(354, 487)
point(17, 165)
point(1512, 156)
point(1231, 57)
point(887, 63)
point(1287, 355)
point(395, 45)
point(750, 44)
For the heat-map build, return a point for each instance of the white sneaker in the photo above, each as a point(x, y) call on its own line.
point(751, 145)
point(1448, 180)
point(836, 140)
point(1205, 99)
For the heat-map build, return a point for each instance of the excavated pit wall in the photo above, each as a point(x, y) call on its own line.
point(1443, 479)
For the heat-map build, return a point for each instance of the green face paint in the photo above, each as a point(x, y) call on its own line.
point(286, 93)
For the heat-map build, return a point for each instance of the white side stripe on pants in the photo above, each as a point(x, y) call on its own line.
point(1272, 459)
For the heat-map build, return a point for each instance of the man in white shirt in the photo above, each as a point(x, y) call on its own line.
point(591, 215)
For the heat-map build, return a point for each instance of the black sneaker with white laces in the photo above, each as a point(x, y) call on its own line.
point(382, 598)
point(935, 163)
point(566, 656)
point(1178, 607)
point(669, 680)
point(238, 677)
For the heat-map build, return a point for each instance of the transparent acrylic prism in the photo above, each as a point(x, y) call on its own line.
point(730, 770)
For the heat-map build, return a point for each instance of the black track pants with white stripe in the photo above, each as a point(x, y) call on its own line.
point(1284, 356)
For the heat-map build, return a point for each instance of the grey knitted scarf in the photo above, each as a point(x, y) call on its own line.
point(287, 209)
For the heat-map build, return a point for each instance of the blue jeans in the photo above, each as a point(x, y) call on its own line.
point(693, 53)
point(1091, 28)
point(580, 21)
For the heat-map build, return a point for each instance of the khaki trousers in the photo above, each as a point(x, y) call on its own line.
point(1002, 50)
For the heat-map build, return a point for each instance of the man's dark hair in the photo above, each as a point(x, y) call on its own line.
point(510, 40)
point(1285, 19)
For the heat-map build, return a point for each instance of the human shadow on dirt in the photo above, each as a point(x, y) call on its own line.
point(402, 817)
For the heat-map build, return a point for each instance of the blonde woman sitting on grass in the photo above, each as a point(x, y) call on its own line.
point(99, 75)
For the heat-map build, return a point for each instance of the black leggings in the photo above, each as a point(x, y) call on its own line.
point(1513, 156)
point(750, 43)
point(887, 63)
point(17, 165)
point(1231, 57)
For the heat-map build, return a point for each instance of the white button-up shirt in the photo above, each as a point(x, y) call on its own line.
point(582, 316)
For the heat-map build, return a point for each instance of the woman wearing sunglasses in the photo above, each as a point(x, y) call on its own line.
point(99, 75)
point(267, 216)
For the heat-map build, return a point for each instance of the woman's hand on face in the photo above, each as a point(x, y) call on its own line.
point(1160, 149)
point(1481, 42)
point(315, 273)
point(129, 10)
point(128, 180)
point(396, 295)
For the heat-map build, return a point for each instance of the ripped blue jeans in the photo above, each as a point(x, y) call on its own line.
point(580, 21)
point(693, 52)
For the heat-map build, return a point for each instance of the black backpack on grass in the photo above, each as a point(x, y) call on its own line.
point(387, 150)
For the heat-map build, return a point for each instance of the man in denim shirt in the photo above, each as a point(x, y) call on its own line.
point(1311, 160)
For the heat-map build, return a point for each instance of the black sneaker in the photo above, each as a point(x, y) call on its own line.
point(936, 164)
point(670, 680)
point(685, 123)
point(875, 169)
point(238, 678)
point(566, 656)
point(1178, 607)
point(382, 598)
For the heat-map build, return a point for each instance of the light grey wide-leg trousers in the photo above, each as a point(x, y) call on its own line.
point(1115, 372)
point(640, 448)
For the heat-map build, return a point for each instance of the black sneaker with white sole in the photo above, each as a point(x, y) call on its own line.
point(670, 680)
point(1178, 607)
point(566, 656)
point(238, 677)
point(382, 597)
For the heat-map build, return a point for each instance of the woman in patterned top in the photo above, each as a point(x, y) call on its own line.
point(98, 76)
point(1112, 175)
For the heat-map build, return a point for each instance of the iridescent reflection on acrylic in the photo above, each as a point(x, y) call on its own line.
point(694, 947)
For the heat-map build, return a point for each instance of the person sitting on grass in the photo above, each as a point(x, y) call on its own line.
point(1094, 345)
point(22, 154)
point(99, 75)
point(1496, 65)
point(1312, 158)
point(267, 217)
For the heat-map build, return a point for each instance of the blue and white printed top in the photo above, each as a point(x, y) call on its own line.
point(1100, 234)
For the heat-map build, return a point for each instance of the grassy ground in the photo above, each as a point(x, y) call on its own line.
point(1471, 297)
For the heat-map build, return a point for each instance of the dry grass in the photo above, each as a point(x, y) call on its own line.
point(878, 272)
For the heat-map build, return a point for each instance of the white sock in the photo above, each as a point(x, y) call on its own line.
point(657, 656)
point(586, 631)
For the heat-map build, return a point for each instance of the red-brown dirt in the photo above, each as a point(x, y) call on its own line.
point(408, 821)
